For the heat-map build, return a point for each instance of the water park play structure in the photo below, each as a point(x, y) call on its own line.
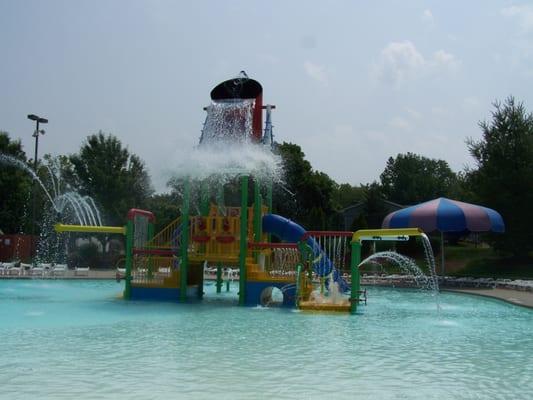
point(314, 270)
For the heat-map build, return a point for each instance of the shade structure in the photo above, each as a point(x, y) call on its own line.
point(445, 215)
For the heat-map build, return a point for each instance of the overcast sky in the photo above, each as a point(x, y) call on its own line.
point(354, 82)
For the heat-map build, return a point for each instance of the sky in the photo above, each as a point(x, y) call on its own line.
point(354, 82)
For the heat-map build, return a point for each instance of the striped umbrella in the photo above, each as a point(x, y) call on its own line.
point(445, 215)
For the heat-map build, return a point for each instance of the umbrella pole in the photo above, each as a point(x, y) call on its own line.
point(442, 253)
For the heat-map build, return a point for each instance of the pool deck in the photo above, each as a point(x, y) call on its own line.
point(517, 297)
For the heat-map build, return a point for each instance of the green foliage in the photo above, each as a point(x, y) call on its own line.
point(307, 195)
point(114, 178)
point(345, 195)
point(374, 209)
point(15, 189)
point(503, 179)
point(359, 222)
point(499, 268)
point(88, 255)
point(411, 178)
point(165, 208)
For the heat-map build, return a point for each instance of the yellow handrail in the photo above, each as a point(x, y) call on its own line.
point(90, 228)
point(163, 239)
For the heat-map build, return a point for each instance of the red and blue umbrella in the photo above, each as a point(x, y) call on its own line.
point(446, 215)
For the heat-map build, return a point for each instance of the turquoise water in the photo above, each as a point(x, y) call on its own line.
point(77, 340)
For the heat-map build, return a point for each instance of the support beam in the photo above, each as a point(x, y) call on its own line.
point(258, 205)
point(269, 204)
point(219, 278)
point(129, 259)
point(90, 229)
point(355, 273)
point(184, 264)
point(243, 239)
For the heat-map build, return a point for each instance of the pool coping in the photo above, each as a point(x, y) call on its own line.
point(515, 297)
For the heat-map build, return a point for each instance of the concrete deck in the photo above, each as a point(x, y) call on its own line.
point(517, 297)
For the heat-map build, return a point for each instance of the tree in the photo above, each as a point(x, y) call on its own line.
point(15, 188)
point(114, 178)
point(503, 179)
point(410, 178)
point(345, 195)
point(374, 209)
point(306, 195)
point(165, 208)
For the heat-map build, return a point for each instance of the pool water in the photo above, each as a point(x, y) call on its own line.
point(78, 340)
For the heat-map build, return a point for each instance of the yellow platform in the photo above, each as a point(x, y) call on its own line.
point(325, 307)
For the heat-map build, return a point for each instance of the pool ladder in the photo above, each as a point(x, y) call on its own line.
point(362, 297)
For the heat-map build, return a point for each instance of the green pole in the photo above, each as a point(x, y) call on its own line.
point(258, 202)
point(149, 236)
point(129, 259)
point(269, 196)
point(184, 265)
point(219, 278)
point(204, 207)
point(269, 204)
point(298, 285)
point(354, 267)
point(244, 239)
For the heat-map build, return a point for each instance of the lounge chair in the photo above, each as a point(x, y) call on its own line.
point(59, 270)
point(37, 270)
point(25, 268)
point(14, 268)
point(3, 268)
point(81, 271)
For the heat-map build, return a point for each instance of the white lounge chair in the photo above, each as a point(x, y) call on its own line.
point(25, 268)
point(3, 268)
point(37, 270)
point(59, 270)
point(14, 268)
point(81, 271)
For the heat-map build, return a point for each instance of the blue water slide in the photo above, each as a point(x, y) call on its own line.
point(291, 232)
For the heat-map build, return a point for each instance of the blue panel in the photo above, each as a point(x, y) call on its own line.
point(496, 220)
point(400, 219)
point(450, 217)
point(158, 294)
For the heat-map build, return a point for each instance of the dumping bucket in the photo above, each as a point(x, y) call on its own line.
point(243, 88)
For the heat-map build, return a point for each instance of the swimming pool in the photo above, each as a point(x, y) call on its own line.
point(76, 339)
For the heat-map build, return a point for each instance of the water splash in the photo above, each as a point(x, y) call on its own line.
point(15, 162)
point(226, 148)
point(407, 265)
point(70, 201)
point(430, 259)
point(228, 121)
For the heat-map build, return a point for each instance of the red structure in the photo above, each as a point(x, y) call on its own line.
point(16, 247)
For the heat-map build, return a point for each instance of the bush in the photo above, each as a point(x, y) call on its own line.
point(89, 255)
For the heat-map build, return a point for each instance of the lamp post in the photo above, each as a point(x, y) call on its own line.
point(38, 120)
